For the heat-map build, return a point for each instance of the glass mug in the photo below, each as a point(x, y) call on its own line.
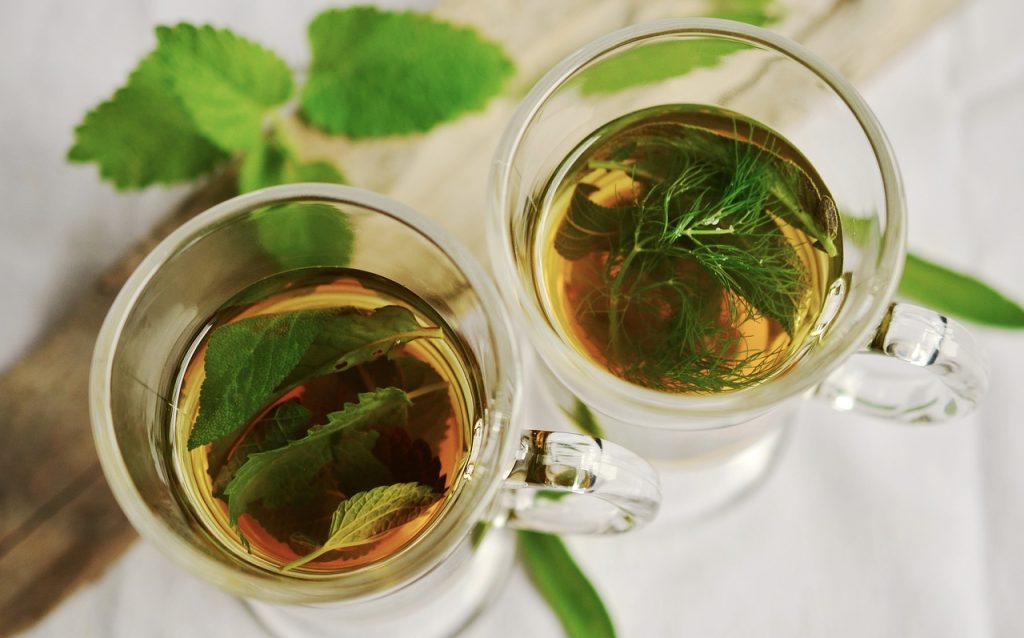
point(717, 445)
point(435, 583)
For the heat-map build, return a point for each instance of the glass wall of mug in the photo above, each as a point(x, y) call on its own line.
point(717, 444)
point(447, 572)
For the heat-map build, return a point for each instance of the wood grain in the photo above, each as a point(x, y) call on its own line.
point(59, 524)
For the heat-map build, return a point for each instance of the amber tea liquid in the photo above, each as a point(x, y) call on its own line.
point(434, 456)
point(686, 249)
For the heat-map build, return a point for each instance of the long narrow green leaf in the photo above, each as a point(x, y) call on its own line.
point(585, 419)
point(959, 295)
point(565, 587)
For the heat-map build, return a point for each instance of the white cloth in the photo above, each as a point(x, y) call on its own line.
point(864, 529)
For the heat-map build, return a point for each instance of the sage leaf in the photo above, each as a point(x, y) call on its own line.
point(564, 586)
point(957, 294)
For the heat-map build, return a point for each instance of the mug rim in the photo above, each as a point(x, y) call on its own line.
point(669, 407)
point(418, 556)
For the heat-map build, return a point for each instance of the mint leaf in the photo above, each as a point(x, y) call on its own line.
point(357, 468)
point(284, 476)
point(353, 337)
point(565, 587)
point(252, 362)
point(959, 295)
point(227, 83)
point(245, 361)
point(143, 135)
point(651, 63)
point(270, 163)
point(305, 234)
point(367, 516)
point(285, 422)
point(380, 73)
point(428, 418)
point(315, 171)
point(409, 460)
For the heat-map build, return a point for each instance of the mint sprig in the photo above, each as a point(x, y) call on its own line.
point(252, 362)
point(205, 94)
point(284, 476)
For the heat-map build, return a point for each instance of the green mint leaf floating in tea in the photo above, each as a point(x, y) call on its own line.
point(692, 250)
point(378, 73)
point(251, 362)
point(659, 61)
point(245, 362)
point(228, 84)
point(367, 516)
point(410, 460)
point(350, 337)
point(143, 134)
point(271, 163)
point(285, 475)
point(566, 588)
point(429, 395)
point(958, 295)
point(285, 422)
point(357, 468)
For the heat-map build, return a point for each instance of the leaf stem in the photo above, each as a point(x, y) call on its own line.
point(427, 389)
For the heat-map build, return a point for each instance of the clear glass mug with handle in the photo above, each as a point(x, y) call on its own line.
point(437, 581)
point(864, 353)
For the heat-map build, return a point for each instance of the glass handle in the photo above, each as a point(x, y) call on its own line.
point(953, 379)
point(569, 483)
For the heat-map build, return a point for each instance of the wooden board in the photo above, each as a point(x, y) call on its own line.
point(59, 524)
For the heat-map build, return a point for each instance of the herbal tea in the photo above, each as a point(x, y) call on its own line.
point(686, 249)
point(323, 420)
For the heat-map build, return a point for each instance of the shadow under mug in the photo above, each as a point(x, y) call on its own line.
point(437, 581)
point(723, 442)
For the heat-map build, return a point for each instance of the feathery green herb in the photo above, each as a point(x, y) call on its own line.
point(690, 247)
